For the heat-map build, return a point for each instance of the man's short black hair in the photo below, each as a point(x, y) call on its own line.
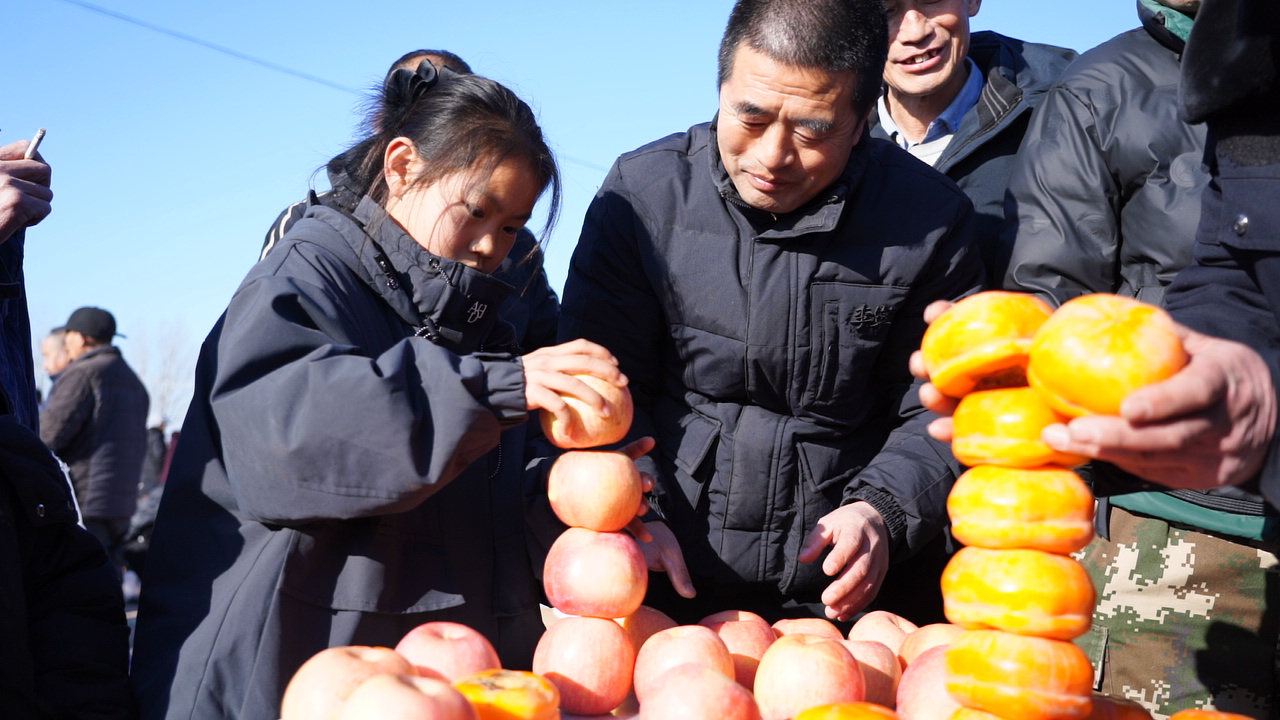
point(829, 35)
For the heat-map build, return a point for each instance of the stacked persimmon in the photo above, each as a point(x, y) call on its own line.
point(1016, 367)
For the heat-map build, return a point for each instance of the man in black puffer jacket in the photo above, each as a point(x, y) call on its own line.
point(762, 280)
point(961, 102)
point(97, 424)
point(1106, 197)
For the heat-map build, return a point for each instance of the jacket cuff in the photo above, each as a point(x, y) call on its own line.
point(887, 505)
point(505, 385)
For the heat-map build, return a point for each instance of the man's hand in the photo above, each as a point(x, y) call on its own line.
point(635, 451)
point(663, 554)
point(930, 398)
point(1209, 425)
point(24, 189)
point(858, 560)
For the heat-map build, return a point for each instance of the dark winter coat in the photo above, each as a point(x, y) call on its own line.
point(17, 363)
point(97, 424)
point(64, 641)
point(325, 490)
point(1232, 80)
point(1113, 115)
point(769, 358)
point(1105, 192)
point(532, 310)
point(980, 155)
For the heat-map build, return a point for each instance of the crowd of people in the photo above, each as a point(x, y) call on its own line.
point(357, 459)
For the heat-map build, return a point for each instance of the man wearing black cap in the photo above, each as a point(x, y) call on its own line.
point(97, 424)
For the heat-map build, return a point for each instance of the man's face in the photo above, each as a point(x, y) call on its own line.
point(77, 345)
point(785, 132)
point(54, 351)
point(928, 44)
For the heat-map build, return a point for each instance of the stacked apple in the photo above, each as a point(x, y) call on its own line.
point(1016, 367)
point(595, 573)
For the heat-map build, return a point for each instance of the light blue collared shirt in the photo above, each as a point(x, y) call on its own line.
point(946, 123)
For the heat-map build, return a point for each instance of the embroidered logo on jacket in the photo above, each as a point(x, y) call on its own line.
point(476, 311)
point(865, 316)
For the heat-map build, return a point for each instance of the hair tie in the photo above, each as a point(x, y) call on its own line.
point(406, 87)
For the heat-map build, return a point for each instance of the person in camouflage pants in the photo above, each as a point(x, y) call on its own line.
point(1185, 618)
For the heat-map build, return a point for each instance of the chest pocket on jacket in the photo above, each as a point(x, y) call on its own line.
point(848, 324)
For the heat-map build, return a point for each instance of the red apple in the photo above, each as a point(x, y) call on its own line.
point(644, 622)
point(318, 689)
point(926, 637)
point(588, 428)
point(595, 574)
point(747, 635)
point(693, 691)
point(808, 626)
point(922, 692)
point(883, 626)
point(406, 697)
point(448, 649)
point(595, 490)
point(677, 646)
point(800, 671)
point(589, 660)
point(881, 669)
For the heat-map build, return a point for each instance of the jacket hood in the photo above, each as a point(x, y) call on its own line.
point(1155, 22)
point(445, 301)
point(1014, 69)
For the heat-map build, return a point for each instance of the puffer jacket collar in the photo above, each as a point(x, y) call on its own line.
point(820, 214)
point(1016, 74)
point(1154, 23)
point(444, 300)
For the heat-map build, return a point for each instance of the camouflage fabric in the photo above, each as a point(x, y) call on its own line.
point(1184, 619)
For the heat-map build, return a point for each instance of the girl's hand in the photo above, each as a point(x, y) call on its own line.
point(549, 376)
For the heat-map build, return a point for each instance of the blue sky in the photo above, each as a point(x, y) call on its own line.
point(171, 159)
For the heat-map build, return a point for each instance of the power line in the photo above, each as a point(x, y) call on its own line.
point(212, 46)
point(255, 60)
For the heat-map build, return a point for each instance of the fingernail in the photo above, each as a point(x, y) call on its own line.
point(1056, 436)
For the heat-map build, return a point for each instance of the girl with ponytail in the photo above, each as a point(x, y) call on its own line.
point(342, 475)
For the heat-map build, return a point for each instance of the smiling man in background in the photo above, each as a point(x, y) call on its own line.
point(961, 102)
point(762, 279)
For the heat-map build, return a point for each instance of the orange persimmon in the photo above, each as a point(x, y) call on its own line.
point(981, 342)
point(1002, 427)
point(1018, 676)
point(499, 694)
point(848, 711)
point(1028, 592)
point(1045, 508)
point(1096, 349)
point(967, 713)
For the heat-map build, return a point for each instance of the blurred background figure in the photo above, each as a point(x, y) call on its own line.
point(96, 423)
point(54, 351)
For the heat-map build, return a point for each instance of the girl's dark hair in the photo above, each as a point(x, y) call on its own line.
point(459, 123)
